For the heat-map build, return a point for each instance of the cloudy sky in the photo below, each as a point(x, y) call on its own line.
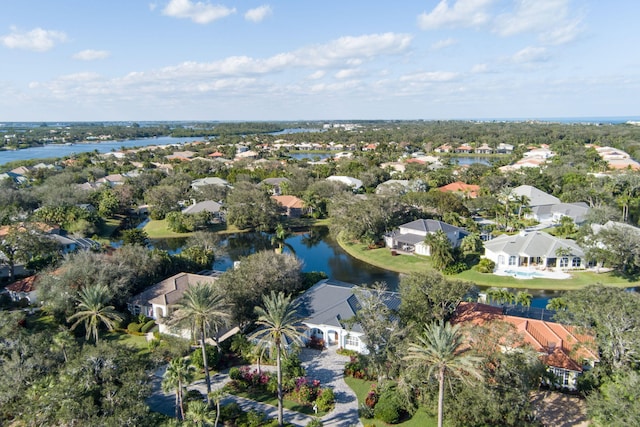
point(68, 60)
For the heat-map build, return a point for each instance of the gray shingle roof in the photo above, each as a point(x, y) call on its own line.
point(330, 302)
point(532, 244)
point(431, 226)
point(536, 197)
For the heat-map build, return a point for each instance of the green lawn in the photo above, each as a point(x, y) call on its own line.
point(108, 227)
point(157, 229)
point(415, 263)
point(361, 387)
point(136, 341)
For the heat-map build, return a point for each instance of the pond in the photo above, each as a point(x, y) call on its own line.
point(318, 251)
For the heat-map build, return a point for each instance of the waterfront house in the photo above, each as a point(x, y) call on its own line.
point(410, 237)
point(534, 249)
point(565, 351)
point(293, 206)
point(326, 307)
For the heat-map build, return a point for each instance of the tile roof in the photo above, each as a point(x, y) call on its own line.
point(562, 346)
point(170, 290)
point(25, 285)
point(289, 201)
point(459, 186)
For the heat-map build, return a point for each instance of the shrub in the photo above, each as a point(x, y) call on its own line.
point(326, 400)
point(372, 396)
point(315, 423)
point(212, 357)
point(346, 352)
point(485, 266)
point(366, 412)
point(230, 411)
point(147, 326)
point(389, 408)
point(456, 268)
point(255, 418)
point(234, 374)
point(134, 327)
point(192, 395)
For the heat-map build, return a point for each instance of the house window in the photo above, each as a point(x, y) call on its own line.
point(351, 341)
point(564, 262)
point(513, 260)
point(575, 262)
point(562, 376)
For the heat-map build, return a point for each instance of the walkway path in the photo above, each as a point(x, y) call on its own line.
point(326, 366)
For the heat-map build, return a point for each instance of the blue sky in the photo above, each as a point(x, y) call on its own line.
point(79, 60)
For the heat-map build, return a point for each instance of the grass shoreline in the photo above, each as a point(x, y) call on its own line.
point(406, 264)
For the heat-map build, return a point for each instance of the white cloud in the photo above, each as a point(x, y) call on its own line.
point(258, 14)
point(531, 54)
point(91, 55)
point(152, 6)
point(198, 12)
point(551, 19)
point(430, 76)
point(346, 73)
point(480, 68)
point(37, 40)
point(441, 44)
point(317, 75)
point(463, 13)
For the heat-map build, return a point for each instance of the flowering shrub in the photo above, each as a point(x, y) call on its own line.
point(305, 391)
point(372, 396)
point(354, 368)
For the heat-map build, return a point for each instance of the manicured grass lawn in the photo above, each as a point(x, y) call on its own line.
point(139, 342)
point(415, 263)
point(269, 398)
point(108, 227)
point(157, 229)
point(361, 387)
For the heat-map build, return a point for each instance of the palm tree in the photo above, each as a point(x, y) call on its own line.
point(93, 310)
point(524, 298)
point(179, 373)
point(216, 397)
point(440, 249)
point(440, 349)
point(204, 308)
point(198, 413)
point(277, 324)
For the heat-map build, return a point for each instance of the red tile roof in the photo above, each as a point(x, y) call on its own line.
point(562, 346)
point(289, 201)
point(25, 285)
point(459, 186)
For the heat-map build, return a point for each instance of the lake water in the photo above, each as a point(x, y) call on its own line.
point(470, 160)
point(61, 150)
point(58, 150)
point(318, 251)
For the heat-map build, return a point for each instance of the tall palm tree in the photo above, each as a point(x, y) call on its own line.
point(277, 324)
point(439, 348)
point(179, 373)
point(204, 308)
point(524, 299)
point(93, 310)
point(217, 396)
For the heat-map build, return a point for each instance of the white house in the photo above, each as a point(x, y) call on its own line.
point(156, 301)
point(534, 249)
point(347, 180)
point(213, 180)
point(326, 306)
point(410, 236)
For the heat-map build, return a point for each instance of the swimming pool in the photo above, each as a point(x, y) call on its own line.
point(523, 274)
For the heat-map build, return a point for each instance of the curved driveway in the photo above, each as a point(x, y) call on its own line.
point(326, 366)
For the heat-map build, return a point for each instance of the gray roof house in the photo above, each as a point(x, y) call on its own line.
point(205, 206)
point(536, 197)
point(325, 307)
point(275, 184)
point(534, 249)
point(213, 180)
point(548, 209)
point(410, 236)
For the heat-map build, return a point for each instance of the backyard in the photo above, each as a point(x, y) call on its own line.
point(407, 264)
